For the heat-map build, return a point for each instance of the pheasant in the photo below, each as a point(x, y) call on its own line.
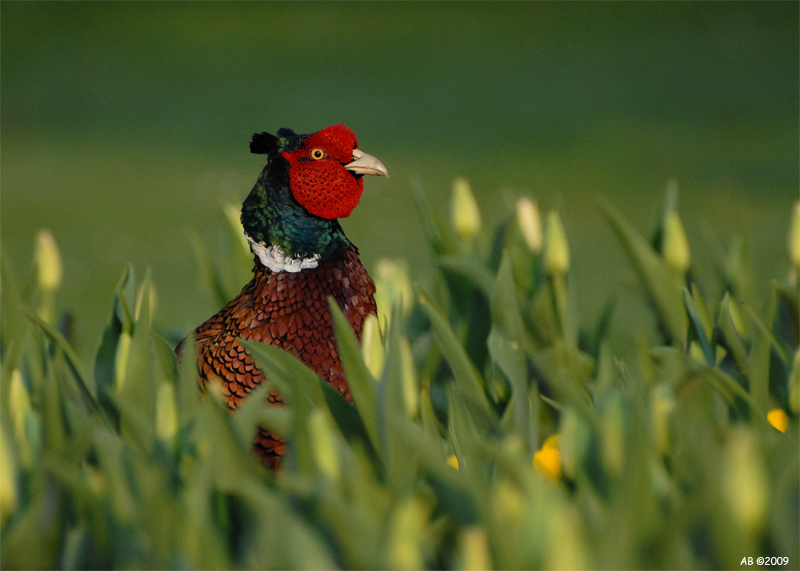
point(301, 258)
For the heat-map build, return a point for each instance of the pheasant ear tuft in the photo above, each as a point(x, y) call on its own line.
point(264, 144)
point(286, 132)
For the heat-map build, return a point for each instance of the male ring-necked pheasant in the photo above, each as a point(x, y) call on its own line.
point(302, 257)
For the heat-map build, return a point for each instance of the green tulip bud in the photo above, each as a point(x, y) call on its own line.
point(794, 384)
point(473, 547)
point(613, 437)
point(394, 289)
point(662, 404)
point(566, 546)
point(372, 346)
point(530, 223)
point(573, 442)
point(464, 209)
point(8, 482)
point(509, 503)
point(121, 359)
point(408, 522)
point(324, 446)
point(166, 412)
point(556, 248)
point(410, 389)
point(48, 262)
point(794, 236)
point(675, 246)
point(233, 213)
point(25, 422)
point(745, 481)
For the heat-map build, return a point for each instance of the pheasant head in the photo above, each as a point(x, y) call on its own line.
point(290, 216)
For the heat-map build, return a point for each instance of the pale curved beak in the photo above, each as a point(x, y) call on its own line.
point(366, 164)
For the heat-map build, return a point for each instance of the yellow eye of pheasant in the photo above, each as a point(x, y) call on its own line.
point(317, 154)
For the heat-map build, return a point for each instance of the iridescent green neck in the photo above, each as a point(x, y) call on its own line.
point(272, 216)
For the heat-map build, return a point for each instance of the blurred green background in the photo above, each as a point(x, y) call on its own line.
point(125, 126)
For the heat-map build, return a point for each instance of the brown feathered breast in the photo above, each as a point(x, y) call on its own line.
point(289, 310)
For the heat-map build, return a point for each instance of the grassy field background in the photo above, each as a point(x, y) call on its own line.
point(497, 421)
point(125, 126)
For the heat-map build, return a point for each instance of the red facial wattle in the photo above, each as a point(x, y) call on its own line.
point(323, 186)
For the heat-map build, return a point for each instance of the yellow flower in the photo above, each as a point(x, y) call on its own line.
point(777, 418)
point(548, 459)
point(452, 461)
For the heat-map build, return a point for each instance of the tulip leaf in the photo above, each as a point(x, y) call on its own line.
point(359, 379)
point(698, 324)
point(662, 287)
point(466, 375)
